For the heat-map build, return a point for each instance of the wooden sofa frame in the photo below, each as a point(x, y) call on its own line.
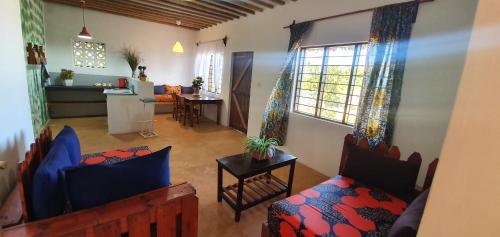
point(170, 211)
point(27, 168)
point(381, 148)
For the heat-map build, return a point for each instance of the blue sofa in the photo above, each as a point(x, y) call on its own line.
point(62, 184)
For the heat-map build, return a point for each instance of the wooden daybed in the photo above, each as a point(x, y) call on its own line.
point(343, 206)
point(168, 212)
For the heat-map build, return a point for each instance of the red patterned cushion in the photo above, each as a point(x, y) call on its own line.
point(114, 156)
point(337, 207)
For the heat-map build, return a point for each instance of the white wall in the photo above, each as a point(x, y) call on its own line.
point(15, 122)
point(154, 42)
point(435, 61)
point(464, 198)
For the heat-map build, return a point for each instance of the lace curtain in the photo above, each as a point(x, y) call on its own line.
point(208, 63)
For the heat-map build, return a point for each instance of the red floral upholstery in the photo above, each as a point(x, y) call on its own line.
point(337, 207)
point(110, 157)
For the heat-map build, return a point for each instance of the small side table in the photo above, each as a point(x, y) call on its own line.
point(255, 184)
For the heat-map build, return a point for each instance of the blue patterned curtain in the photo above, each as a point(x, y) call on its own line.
point(275, 122)
point(389, 37)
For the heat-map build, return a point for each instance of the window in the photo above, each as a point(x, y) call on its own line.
point(208, 65)
point(212, 86)
point(329, 81)
point(89, 54)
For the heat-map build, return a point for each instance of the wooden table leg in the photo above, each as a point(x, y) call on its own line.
point(219, 182)
point(239, 200)
point(290, 179)
point(185, 115)
point(191, 111)
point(219, 108)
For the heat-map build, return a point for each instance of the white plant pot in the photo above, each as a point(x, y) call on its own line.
point(196, 92)
point(68, 82)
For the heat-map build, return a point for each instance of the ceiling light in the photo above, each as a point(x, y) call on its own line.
point(178, 46)
point(84, 34)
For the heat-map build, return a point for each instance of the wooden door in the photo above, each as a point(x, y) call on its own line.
point(241, 82)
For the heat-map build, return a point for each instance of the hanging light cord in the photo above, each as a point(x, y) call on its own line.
point(82, 4)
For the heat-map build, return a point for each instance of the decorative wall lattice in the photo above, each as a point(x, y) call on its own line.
point(33, 29)
point(89, 54)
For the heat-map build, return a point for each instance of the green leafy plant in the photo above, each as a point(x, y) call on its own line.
point(66, 74)
point(132, 57)
point(198, 82)
point(263, 147)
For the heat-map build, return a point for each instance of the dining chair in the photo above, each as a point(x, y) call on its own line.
point(176, 109)
point(184, 109)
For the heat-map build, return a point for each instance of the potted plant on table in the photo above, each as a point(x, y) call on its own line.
point(261, 149)
point(197, 84)
point(132, 57)
point(67, 77)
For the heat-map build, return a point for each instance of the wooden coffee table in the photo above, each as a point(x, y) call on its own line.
point(255, 184)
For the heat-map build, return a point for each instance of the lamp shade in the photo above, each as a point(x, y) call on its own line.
point(178, 48)
point(84, 34)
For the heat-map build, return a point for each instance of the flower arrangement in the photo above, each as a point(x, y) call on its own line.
point(261, 148)
point(198, 83)
point(132, 57)
point(66, 74)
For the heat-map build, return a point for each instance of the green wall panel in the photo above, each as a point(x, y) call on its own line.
point(33, 29)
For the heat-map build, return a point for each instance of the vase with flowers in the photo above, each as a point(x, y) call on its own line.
point(197, 84)
point(132, 57)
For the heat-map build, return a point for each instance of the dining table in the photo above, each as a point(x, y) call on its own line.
point(201, 100)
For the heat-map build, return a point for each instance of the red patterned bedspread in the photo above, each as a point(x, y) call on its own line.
point(338, 207)
point(110, 157)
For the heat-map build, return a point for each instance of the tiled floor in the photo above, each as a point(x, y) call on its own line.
point(194, 151)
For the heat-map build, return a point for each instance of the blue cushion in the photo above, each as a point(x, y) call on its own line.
point(407, 224)
point(187, 90)
point(70, 139)
point(48, 198)
point(94, 185)
point(160, 90)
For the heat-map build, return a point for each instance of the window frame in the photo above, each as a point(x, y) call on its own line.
point(319, 97)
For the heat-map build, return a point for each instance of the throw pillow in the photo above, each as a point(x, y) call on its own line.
point(160, 90)
point(393, 176)
point(47, 191)
point(187, 90)
point(173, 89)
point(70, 140)
point(407, 224)
point(94, 185)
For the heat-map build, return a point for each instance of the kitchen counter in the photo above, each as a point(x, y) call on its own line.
point(77, 88)
point(75, 101)
point(126, 111)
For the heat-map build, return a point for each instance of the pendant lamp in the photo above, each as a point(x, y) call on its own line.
point(84, 34)
point(178, 46)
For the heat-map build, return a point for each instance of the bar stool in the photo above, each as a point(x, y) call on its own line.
point(147, 127)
